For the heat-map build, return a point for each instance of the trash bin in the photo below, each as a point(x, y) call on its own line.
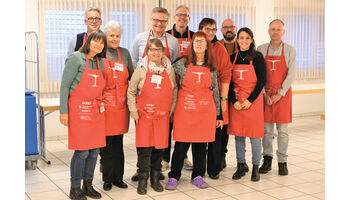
point(31, 136)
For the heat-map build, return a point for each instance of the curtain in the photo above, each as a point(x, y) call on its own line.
point(241, 11)
point(61, 20)
point(305, 30)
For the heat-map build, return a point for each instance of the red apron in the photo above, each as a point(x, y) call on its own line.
point(276, 73)
point(84, 39)
point(246, 123)
point(195, 111)
point(153, 106)
point(86, 125)
point(167, 51)
point(117, 113)
point(183, 42)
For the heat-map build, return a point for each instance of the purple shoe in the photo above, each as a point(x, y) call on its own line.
point(199, 182)
point(171, 184)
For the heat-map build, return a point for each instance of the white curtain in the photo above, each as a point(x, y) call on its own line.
point(305, 30)
point(241, 11)
point(60, 20)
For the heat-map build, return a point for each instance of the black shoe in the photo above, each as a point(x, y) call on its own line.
point(155, 184)
point(246, 168)
point(107, 186)
point(266, 167)
point(161, 176)
point(240, 171)
point(223, 162)
point(120, 184)
point(77, 194)
point(142, 187)
point(135, 177)
point(282, 169)
point(255, 173)
point(89, 190)
point(214, 176)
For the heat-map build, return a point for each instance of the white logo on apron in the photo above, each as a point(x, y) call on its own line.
point(273, 64)
point(199, 76)
point(241, 73)
point(95, 76)
point(157, 80)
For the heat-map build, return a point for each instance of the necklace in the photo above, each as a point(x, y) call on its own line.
point(239, 53)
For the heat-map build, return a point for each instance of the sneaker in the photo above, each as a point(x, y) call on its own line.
point(165, 165)
point(199, 182)
point(187, 164)
point(171, 184)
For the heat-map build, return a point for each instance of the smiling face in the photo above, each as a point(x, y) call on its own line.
point(96, 46)
point(210, 30)
point(159, 22)
point(199, 45)
point(93, 21)
point(155, 53)
point(113, 39)
point(181, 17)
point(244, 40)
point(228, 30)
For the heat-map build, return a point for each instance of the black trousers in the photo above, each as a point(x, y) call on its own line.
point(148, 158)
point(198, 155)
point(113, 159)
point(224, 140)
point(166, 155)
point(214, 154)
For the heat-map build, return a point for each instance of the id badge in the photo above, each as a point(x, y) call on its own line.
point(157, 79)
point(118, 67)
point(185, 44)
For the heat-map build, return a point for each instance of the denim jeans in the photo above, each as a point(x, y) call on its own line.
point(240, 149)
point(282, 140)
point(82, 166)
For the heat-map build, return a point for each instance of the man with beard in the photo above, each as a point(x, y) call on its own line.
point(229, 30)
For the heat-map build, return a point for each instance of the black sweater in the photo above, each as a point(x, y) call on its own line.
point(260, 72)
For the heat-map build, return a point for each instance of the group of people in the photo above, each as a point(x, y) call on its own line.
point(176, 85)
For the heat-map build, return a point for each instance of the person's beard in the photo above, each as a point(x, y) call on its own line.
point(229, 38)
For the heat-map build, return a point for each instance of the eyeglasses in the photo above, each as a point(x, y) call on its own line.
point(91, 19)
point(156, 50)
point(181, 15)
point(229, 27)
point(160, 21)
point(199, 41)
point(213, 30)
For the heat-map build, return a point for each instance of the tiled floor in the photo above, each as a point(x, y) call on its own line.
point(305, 180)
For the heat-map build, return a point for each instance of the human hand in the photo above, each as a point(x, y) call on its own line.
point(246, 104)
point(219, 123)
point(275, 98)
point(237, 105)
point(64, 119)
point(267, 99)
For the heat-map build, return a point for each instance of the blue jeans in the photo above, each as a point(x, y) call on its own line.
point(82, 166)
point(240, 149)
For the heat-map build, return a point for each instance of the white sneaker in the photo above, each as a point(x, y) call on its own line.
point(165, 166)
point(188, 164)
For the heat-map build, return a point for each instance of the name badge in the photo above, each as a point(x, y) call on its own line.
point(156, 79)
point(118, 67)
point(185, 44)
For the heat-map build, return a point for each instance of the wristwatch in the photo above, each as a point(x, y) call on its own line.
point(223, 98)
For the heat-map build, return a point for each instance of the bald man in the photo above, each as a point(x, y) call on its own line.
point(228, 30)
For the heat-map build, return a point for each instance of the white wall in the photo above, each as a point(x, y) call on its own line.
point(32, 16)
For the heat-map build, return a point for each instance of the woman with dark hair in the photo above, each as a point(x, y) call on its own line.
point(151, 99)
point(81, 109)
point(197, 112)
point(246, 108)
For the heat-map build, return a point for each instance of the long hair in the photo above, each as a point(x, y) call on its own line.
point(191, 56)
point(252, 53)
point(95, 35)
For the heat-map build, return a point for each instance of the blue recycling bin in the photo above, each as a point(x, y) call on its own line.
point(31, 135)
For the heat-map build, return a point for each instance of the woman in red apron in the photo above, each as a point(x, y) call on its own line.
point(246, 110)
point(151, 100)
point(81, 109)
point(197, 112)
point(117, 70)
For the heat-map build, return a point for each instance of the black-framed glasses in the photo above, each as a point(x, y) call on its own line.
point(182, 15)
point(160, 21)
point(155, 50)
point(229, 27)
point(96, 19)
point(213, 30)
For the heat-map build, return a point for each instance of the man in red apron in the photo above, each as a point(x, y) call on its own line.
point(183, 35)
point(224, 67)
point(93, 22)
point(228, 30)
point(280, 60)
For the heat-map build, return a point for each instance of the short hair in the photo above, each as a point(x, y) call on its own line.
point(206, 21)
point(160, 10)
point(156, 42)
point(182, 6)
point(95, 35)
point(113, 25)
point(277, 20)
point(92, 9)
